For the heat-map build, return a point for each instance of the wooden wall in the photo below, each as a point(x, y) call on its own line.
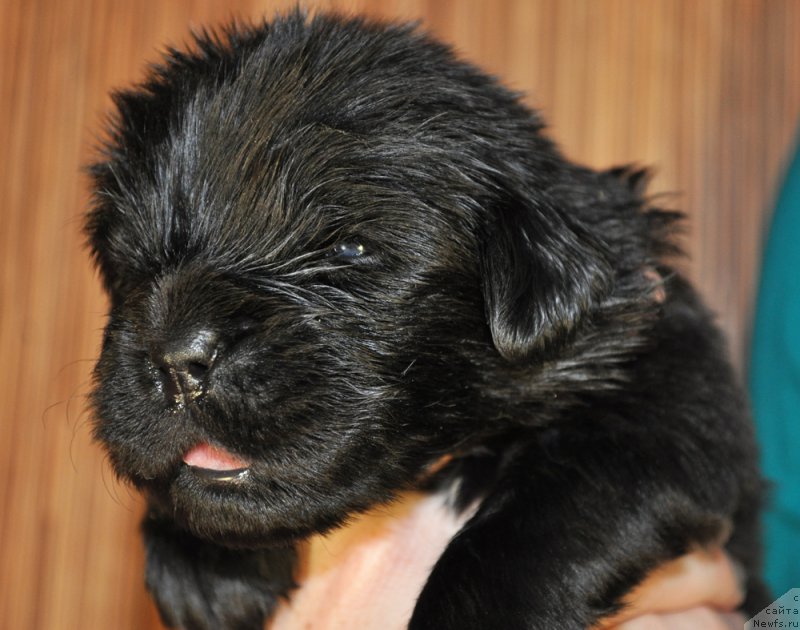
point(706, 91)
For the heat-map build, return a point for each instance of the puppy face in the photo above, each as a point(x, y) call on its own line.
point(322, 263)
point(294, 333)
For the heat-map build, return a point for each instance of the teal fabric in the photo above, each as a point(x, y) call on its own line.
point(775, 385)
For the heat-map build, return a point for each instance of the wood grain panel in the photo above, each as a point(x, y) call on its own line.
point(706, 92)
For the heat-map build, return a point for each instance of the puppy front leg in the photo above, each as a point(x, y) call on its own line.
point(569, 530)
point(198, 585)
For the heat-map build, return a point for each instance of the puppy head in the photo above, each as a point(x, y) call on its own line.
point(319, 239)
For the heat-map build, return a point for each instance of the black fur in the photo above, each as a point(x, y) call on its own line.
point(369, 256)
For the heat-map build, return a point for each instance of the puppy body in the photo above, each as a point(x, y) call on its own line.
point(337, 255)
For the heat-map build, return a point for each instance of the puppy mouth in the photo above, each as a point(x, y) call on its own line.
point(214, 463)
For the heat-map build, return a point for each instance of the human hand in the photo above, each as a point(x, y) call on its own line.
point(697, 591)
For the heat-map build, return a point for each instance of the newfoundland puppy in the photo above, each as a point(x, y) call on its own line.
point(343, 263)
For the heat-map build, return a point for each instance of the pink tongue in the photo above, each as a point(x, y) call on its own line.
point(205, 455)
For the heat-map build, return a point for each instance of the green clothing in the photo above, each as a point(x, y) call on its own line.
point(775, 385)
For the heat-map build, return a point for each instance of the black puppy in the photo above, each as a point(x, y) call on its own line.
point(336, 254)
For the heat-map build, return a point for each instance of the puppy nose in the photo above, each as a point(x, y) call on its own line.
point(184, 365)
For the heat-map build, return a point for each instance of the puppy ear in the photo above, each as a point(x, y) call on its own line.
point(542, 273)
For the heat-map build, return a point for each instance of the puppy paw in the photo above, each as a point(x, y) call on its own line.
point(201, 586)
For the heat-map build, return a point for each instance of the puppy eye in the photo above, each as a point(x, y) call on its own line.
point(348, 251)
